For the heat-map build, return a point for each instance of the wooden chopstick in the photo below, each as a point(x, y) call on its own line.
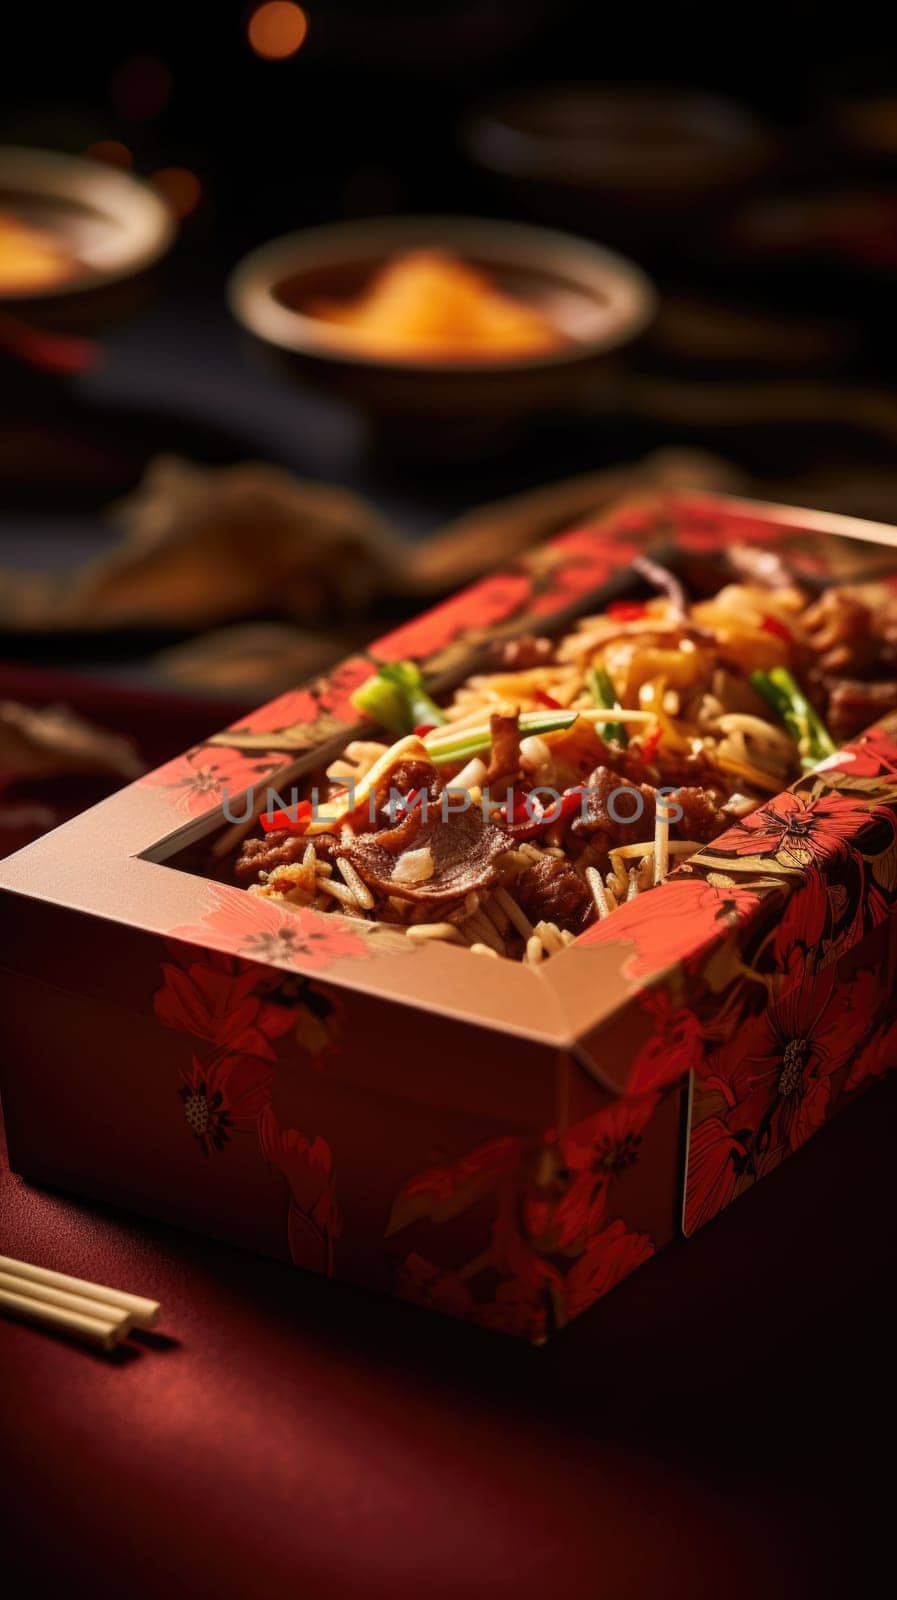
point(89, 1311)
point(97, 1330)
point(61, 1297)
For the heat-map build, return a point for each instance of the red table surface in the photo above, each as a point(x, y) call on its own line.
point(706, 1430)
point(709, 1429)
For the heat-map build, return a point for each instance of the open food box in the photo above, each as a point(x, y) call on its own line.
point(503, 1140)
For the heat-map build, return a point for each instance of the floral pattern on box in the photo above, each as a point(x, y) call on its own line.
point(543, 1214)
point(812, 1017)
point(242, 1020)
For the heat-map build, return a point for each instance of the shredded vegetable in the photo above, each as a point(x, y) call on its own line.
point(395, 696)
point(779, 689)
point(588, 767)
point(603, 693)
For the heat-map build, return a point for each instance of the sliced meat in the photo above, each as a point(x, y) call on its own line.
point(840, 629)
point(263, 854)
point(550, 891)
point(266, 851)
point(463, 848)
point(703, 818)
point(524, 653)
point(853, 706)
point(693, 770)
point(613, 816)
point(408, 779)
point(504, 761)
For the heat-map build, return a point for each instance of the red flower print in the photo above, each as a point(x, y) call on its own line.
point(590, 1156)
point(717, 1159)
point(796, 830)
point(778, 1069)
point(576, 563)
point(296, 706)
point(610, 1257)
point(199, 780)
point(549, 1211)
point(873, 755)
point(674, 1047)
point(309, 714)
point(314, 1220)
point(222, 1094)
point(806, 917)
point(442, 1192)
point(702, 526)
point(516, 1310)
point(260, 930)
point(334, 692)
point(424, 1284)
point(673, 923)
point(876, 1057)
point(222, 1000)
point(472, 611)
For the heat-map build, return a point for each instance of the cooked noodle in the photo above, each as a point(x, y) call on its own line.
point(716, 703)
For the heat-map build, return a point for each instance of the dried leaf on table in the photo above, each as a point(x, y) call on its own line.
point(53, 741)
point(204, 546)
point(258, 659)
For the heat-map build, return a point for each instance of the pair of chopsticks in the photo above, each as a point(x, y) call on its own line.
point(88, 1311)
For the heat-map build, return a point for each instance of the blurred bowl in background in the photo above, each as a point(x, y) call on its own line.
point(77, 240)
point(639, 158)
point(448, 404)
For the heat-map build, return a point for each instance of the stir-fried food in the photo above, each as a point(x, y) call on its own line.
point(578, 772)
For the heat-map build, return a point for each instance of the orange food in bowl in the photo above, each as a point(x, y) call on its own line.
point(30, 257)
point(430, 303)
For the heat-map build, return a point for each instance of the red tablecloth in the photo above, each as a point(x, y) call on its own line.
point(704, 1431)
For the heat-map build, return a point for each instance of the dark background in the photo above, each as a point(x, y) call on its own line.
point(367, 118)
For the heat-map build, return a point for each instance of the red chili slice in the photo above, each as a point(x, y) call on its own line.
point(627, 610)
point(780, 629)
point(650, 743)
point(294, 820)
point(522, 826)
point(547, 700)
point(425, 727)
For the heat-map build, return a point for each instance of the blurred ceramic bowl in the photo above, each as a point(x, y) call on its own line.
point(107, 227)
point(594, 157)
point(598, 302)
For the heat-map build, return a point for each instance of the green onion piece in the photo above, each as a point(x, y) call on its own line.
point(396, 698)
point(780, 691)
point(475, 741)
point(603, 693)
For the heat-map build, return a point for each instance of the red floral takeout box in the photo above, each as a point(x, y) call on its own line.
point(498, 1141)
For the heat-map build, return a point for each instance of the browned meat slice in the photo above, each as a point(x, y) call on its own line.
point(504, 762)
point(463, 849)
point(263, 854)
point(394, 825)
point(702, 818)
point(853, 706)
point(612, 814)
point(841, 632)
point(693, 770)
point(614, 817)
point(520, 655)
point(267, 851)
point(550, 891)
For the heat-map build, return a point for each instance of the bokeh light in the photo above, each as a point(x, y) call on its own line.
point(112, 152)
point(277, 29)
point(180, 187)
